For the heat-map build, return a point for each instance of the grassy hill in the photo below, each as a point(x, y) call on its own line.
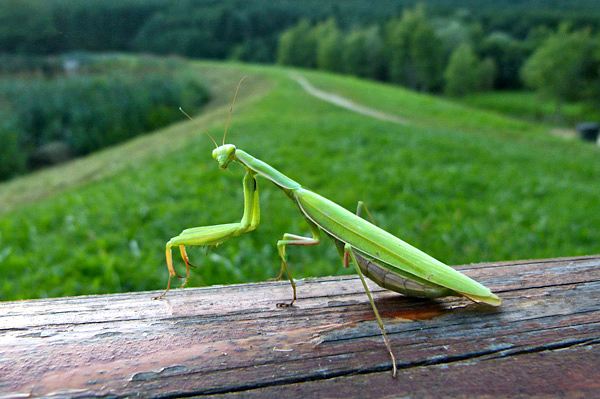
point(462, 184)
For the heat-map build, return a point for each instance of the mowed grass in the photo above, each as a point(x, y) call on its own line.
point(462, 184)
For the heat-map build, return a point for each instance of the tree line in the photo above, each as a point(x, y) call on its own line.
point(241, 29)
point(451, 55)
point(452, 46)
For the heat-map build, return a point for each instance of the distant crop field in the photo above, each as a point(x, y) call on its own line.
point(57, 108)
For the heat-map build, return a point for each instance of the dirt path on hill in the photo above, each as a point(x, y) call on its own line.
point(346, 103)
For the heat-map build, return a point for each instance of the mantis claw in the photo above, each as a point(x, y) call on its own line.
point(285, 305)
point(167, 290)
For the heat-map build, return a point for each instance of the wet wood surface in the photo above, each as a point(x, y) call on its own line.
point(544, 341)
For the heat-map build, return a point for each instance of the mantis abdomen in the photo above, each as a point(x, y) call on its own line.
point(395, 281)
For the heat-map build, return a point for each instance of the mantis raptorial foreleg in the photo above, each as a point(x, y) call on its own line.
point(293, 239)
point(215, 235)
point(186, 260)
point(349, 251)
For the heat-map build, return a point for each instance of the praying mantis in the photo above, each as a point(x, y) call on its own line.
point(385, 259)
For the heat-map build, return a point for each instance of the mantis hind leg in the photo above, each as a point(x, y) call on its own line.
point(360, 207)
point(293, 239)
point(349, 253)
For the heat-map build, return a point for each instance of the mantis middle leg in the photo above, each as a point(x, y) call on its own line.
point(339, 246)
point(293, 239)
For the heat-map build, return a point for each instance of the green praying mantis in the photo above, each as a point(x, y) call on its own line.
point(387, 260)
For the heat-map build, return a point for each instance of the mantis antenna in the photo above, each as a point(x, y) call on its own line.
point(231, 109)
point(197, 124)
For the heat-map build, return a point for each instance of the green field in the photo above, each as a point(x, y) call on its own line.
point(528, 105)
point(464, 185)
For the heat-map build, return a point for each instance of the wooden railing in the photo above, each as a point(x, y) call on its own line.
point(543, 341)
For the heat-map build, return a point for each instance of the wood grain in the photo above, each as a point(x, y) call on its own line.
point(544, 341)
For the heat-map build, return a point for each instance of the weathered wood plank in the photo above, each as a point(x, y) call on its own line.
point(543, 341)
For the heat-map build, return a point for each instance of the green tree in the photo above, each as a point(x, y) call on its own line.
point(536, 37)
point(466, 73)
point(427, 57)
point(488, 74)
point(362, 53)
point(298, 46)
point(565, 67)
point(452, 33)
point(252, 50)
point(415, 53)
point(509, 54)
point(329, 46)
point(27, 26)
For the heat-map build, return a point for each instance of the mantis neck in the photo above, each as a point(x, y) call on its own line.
point(265, 170)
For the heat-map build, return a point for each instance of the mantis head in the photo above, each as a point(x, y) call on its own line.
point(224, 154)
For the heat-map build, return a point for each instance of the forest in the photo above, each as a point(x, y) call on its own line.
point(250, 30)
point(457, 47)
